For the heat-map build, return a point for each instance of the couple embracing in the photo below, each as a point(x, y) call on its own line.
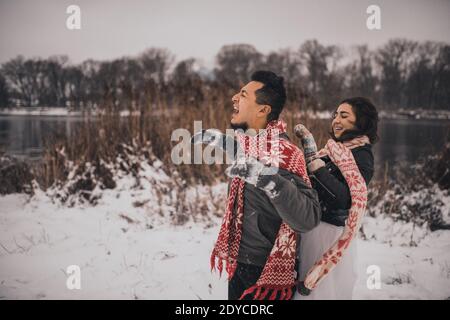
point(290, 233)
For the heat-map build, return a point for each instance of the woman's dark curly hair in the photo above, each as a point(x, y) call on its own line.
point(366, 120)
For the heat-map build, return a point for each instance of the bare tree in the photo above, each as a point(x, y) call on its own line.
point(401, 73)
point(19, 81)
point(187, 84)
point(76, 87)
point(236, 62)
point(54, 72)
point(360, 74)
point(324, 81)
point(439, 96)
point(4, 94)
point(91, 91)
point(155, 63)
point(394, 59)
point(286, 63)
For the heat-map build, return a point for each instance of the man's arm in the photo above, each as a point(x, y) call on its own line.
point(295, 202)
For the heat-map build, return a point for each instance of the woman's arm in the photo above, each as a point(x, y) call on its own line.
point(335, 193)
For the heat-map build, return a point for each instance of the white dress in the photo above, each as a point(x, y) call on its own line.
point(339, 283)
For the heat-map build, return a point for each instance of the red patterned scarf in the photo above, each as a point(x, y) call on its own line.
point(341, 155)
point(350, 144)
point(278, 273)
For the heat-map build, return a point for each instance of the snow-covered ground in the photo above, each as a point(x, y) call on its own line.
point(128, 252)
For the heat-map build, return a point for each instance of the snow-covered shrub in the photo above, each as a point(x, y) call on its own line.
point(83, 181)
point(422, 206)
point(417, 193)
point(15, 176)
point(138, 178)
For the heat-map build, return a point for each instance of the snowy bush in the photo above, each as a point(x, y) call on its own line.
point(419, 193)
point(424, 206)
point(15, 176)
point(138, 177)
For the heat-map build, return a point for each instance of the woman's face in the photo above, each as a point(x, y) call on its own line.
point(343, 119)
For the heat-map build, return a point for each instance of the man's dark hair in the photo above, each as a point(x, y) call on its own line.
point(272, 93)
point(366, 119)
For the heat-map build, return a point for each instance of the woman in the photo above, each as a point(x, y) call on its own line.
point(355, 125)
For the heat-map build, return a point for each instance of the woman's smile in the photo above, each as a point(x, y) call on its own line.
point(343, 119)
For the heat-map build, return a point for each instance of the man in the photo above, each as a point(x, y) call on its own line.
point(266, 208)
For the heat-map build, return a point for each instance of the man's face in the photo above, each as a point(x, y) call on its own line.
point(245, 109)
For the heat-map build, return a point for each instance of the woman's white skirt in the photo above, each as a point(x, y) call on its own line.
point(339, 283)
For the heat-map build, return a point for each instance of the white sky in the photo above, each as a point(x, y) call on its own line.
point(198, 28)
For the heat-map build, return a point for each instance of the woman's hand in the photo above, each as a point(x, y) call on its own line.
point(307, 141)
point(309, 148)
point(304, 291)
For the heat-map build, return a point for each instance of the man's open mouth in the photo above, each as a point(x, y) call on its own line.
point(235, 110)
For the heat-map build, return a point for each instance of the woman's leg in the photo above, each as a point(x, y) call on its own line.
point(339, 283)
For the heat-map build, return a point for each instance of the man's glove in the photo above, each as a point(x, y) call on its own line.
point(247, 168)
point(309, 147)
point(217, 139)
point(252, 171)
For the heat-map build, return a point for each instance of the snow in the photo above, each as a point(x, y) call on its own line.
point(57, 112)
point(421, 272)
point(39, 111)
point(122, 254)
point(129, 252)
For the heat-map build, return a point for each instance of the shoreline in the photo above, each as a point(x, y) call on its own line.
point(416, 114)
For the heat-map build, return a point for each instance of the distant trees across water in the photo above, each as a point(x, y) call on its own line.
point(399, 74)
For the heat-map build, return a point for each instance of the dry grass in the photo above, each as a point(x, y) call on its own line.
point(102, 140)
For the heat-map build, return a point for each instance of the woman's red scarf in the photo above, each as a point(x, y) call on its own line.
point(278, 273)
point(341, 155)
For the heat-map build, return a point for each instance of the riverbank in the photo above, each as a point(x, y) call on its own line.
point(58, 112)
point(441, 114)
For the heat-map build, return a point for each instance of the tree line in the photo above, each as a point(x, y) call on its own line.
point(399, 74)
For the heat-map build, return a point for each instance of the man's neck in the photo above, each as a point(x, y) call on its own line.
point(254, 132)
point(260, 126)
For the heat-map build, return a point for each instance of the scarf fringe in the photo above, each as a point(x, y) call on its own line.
point(261, 292)
point(230, 266)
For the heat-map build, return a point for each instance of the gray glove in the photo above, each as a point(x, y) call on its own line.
point(313, 162)
point(251, 170)
point(247, 168)
point(307, 141)
point(216, 138)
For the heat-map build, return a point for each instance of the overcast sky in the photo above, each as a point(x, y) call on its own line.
point(198, 28)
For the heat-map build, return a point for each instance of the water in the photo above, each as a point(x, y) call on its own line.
point(23, 136)
point(400, 140)
point(409, 140)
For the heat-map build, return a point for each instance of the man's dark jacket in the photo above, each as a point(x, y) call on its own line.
point(296, 204)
